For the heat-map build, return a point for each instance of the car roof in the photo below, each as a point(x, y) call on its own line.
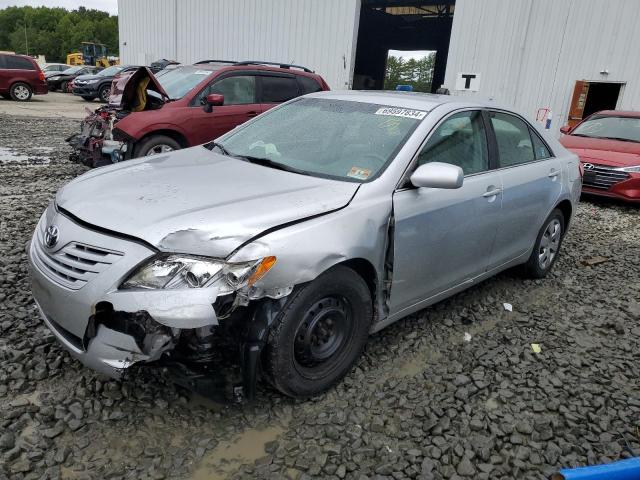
point(417, 100)
point(619, 113)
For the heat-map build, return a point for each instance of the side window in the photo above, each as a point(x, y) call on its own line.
point(239, 90)
point(19, 63)
point(308, 85)
point(514, 140)
point(278, 89)
point(460, 140)
point(3, 61)
point(540, 150)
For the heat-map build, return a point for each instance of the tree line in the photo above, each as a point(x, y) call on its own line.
point(417, 73)
point(55, 32)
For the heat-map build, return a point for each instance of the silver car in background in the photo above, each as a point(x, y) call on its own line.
point(294, 236)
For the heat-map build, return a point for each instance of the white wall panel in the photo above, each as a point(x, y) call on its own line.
point(531, 52)
point(319, 34)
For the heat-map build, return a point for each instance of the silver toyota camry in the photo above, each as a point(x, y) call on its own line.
point(281, 246)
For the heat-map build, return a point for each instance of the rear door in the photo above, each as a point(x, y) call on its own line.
point(443, 238)
point(276, 88)
point(4, 73)
point(240, 105)
point(531, 180)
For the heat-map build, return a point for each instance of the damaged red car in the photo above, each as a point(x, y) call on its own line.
point(187, 106)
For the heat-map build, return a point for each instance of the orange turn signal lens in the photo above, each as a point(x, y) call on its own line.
point(265, 265)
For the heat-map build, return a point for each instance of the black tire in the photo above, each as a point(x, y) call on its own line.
point(145, 147)
point(63, 87)
point(103, 93)
point(535, 267)
point(302, 358)
point(20, 92)
point(88, 98)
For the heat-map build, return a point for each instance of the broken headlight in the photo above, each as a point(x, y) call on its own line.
point(181, 271)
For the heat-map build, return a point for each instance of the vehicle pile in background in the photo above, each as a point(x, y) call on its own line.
point(149, 114)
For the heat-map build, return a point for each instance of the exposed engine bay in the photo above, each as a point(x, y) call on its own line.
point(97, 144)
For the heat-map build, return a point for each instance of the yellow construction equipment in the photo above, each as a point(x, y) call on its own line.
point(94, 54)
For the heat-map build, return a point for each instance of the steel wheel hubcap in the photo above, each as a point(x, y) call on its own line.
point(322, 332)
point(549, 244)
point(159, 149)
point(21, 92)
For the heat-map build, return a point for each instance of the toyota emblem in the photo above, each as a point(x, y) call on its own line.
point(588, 166)
point(51, 236)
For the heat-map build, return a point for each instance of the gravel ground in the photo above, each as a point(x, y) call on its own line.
point(453, 392)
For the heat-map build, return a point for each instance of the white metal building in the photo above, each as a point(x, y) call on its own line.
point(528, 54)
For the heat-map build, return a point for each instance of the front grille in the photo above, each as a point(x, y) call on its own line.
point(603, 177)
point(75, 264)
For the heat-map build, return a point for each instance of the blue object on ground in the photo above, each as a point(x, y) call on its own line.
point(623, 470)
point(404, 88)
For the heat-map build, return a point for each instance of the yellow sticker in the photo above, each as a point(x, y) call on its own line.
point(359, 173)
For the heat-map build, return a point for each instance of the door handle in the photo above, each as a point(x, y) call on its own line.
point(252, 114)
point(554, 173)
point(492, 193)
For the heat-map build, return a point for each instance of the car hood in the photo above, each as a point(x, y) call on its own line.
point(603, 151)
point(90, 77)
point(197, 201)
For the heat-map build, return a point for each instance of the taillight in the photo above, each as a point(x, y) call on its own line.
point(41, 76)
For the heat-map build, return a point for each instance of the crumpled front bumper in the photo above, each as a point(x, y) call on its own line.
point(68, 307)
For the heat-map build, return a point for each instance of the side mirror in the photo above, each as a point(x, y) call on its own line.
point(565, 130)
point(437, 175)
point(213, 100)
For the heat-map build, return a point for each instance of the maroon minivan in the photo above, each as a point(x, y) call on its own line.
point(20, 77)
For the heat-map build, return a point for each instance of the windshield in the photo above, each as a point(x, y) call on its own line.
point(107, 72)
point(339, 139)
point(73, 70)
point(616, 128)
point(177, 83)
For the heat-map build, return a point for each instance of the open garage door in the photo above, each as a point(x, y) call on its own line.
point(404, 25)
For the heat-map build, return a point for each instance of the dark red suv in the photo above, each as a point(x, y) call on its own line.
point(20, 77)
point(186, 106)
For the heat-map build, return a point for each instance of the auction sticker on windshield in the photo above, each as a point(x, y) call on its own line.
point(402, 112)
point(359, 173)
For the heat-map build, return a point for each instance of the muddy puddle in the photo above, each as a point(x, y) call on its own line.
point(225, 460)
point(11, 155)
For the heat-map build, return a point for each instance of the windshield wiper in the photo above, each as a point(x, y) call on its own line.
point(221, 148)
point(269, 163)
point(621, 139)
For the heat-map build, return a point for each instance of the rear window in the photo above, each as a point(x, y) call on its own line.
point(278, 89)
point(18, 63)
point(308, 85)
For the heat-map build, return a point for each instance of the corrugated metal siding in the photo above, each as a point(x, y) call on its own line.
point(531, 52)
point(319, 34)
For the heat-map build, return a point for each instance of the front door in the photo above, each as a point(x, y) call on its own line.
point(240, 105)
point(443, 238)
point(532, 183)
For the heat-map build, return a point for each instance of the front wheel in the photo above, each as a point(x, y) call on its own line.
point(547, 247)
point(156, 145)
point(103, 93)
point(21, 92)
point(63, 87)
point(319, 334)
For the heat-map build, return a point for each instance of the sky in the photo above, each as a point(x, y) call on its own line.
point(407, 55)
point(110, 6)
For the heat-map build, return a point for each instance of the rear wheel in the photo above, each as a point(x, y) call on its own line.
point(156, 145)
point(103, 93)
point(547, 247)
point(319, 334)
point(20, 92)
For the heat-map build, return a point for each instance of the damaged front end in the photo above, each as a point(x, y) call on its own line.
point(97, 144)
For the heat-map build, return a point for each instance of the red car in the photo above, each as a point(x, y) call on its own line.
point(175, 117)
point(20, 77)
point(608, 144)
point(189, 105)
